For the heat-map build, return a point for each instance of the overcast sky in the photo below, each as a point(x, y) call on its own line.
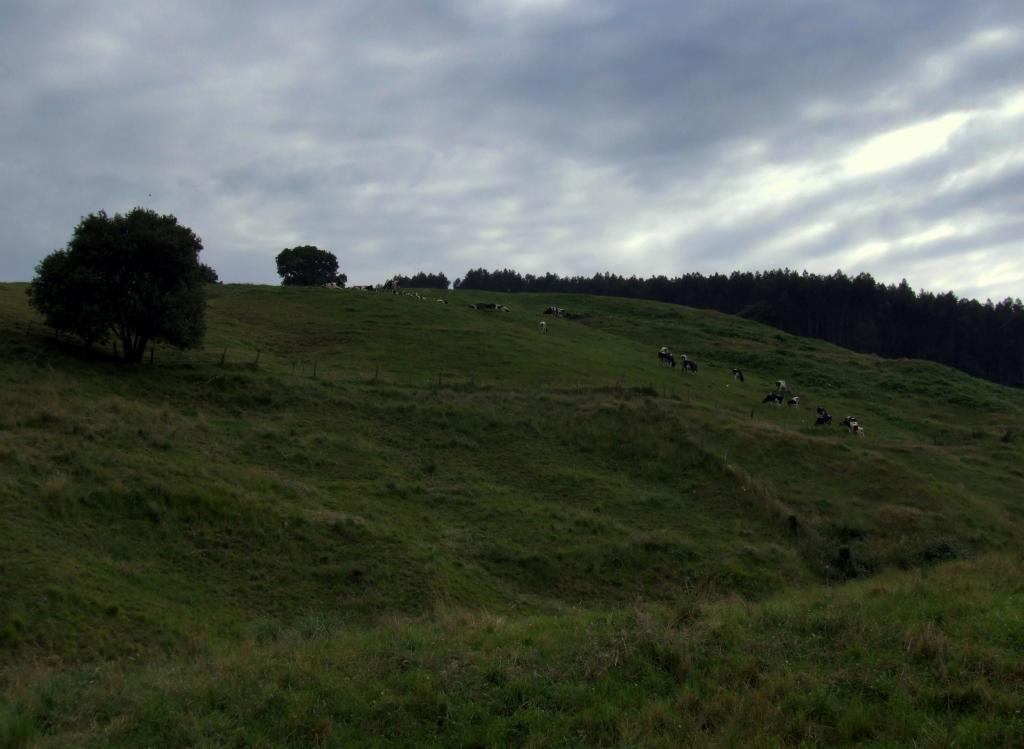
point(541, 135)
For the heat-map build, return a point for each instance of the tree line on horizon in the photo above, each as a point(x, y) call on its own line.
point(137, 278)
point(856, 312)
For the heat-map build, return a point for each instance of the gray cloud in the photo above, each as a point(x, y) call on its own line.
point(655, 137)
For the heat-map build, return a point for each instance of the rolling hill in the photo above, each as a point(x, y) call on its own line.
point(375, 520)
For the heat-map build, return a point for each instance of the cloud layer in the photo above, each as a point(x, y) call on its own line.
point(543, 135)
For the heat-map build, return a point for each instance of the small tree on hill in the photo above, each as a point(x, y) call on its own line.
point(308, 266)
point(135, 277)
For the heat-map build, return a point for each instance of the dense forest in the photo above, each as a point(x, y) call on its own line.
point(423, 280)
point(985, 340)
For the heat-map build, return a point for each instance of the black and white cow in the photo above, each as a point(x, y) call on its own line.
point(490, 306)
point(556, 311)
point(853, 425)
point(737, 374)
point(774, 398)
point(824, 417)
point(665, 356)
point(689, 365)
point(794, 401)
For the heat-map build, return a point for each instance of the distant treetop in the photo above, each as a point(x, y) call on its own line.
point(425, 281)
point(307, 265)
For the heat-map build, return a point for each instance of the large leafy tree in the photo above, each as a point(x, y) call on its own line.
point(135, 277)
point(308, 266)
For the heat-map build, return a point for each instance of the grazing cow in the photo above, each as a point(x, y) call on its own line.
point(689, 365)
point(774, 398)
point(392, 285)
point(781, 387)
point(543, 327)
point(556, 311)
point(737, 374)
point(665, 357)
point(441, 301)
point(490, 306)
point(795, 400)
point(824, 417)
point(853, 425)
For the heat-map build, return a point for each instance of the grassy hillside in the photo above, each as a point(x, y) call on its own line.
point(388, 517)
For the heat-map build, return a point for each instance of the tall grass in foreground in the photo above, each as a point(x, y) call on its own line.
point(925, 659)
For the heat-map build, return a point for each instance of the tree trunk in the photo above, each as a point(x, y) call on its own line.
point(133, 349)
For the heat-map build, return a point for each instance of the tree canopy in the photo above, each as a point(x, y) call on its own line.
point(308, 265)
point(135, 277)
point(208, 274)
point(425, 281)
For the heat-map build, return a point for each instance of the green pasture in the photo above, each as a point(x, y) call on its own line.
point(356, 519)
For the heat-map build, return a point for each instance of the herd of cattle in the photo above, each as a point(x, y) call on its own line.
point(667, 358)
point(775, 397)
point(391, 286)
